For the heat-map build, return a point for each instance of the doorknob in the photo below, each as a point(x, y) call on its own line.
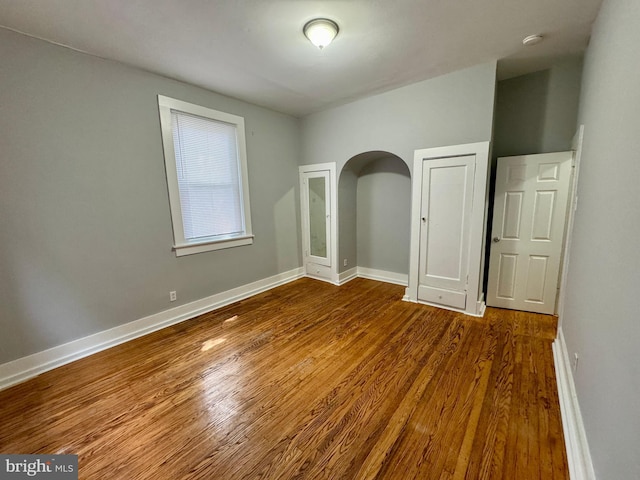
point(496, 239)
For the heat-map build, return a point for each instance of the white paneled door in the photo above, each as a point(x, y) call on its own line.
point(529, 219)
point(447, 196)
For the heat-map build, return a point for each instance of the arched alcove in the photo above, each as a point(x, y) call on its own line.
point(374, 204)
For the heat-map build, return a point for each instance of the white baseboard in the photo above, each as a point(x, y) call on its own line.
point(27, 367)
point(384, 276)
point(481, 307)
point(578, 454)
point(347, 276)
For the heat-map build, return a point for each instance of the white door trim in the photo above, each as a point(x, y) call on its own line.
point(333, 207)
point(474, 305)
point(576, 146)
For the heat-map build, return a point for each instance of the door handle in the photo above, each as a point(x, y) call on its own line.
point(496, 239)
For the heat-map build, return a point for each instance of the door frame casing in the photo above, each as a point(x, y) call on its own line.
point(333, 212)
point(475, 297)
point(576, 146)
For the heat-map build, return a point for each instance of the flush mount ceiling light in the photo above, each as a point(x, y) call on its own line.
point(532, 40)
point(320, 31)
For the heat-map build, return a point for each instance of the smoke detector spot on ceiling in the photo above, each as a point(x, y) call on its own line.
point(532, 40)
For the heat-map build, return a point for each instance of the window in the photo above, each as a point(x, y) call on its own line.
point(206, 164)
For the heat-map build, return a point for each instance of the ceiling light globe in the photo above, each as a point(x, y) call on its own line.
point(321, 31)
point(532, 40)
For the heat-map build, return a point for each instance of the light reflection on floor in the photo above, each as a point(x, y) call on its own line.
point(232, 319)
point(220, 395)
point(209, 344)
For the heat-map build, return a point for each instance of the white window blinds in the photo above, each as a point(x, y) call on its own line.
point(208, 172)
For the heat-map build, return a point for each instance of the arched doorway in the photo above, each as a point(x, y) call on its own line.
point(374, 204)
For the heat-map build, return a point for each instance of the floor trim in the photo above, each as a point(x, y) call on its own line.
point(27, 367)
point(578, 454)
point(479, 306)
point(384, 276)
point(347, 276)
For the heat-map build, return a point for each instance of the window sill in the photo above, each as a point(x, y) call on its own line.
point(208, 246)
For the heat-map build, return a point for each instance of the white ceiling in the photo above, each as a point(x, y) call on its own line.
point(255, 49)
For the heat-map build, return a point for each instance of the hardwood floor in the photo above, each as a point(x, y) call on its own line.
point(307, 380)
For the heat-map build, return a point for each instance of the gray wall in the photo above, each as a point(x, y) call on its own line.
point(347, 219)
point(536, 113)
point(448, 110)
point(601, 320)
point(383, 213)
point(85, 243)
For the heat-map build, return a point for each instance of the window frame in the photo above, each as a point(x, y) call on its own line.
point(181, 245)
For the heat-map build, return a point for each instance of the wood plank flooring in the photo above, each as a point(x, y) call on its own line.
point(310, 381)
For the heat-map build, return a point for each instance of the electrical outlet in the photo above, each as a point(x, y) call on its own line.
point(575, 362)
point(345, 262)
point(173, 296)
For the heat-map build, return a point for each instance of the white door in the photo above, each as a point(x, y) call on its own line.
point(528, 229)
point(316, 199)
point(447, 200)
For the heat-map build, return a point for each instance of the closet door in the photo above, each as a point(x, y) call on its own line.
point(316, 217)
point(446, 207)
point(319, 229)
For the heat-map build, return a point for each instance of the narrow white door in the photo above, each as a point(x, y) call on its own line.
point(447, 200)
point(316, 196)
point(528, 229)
